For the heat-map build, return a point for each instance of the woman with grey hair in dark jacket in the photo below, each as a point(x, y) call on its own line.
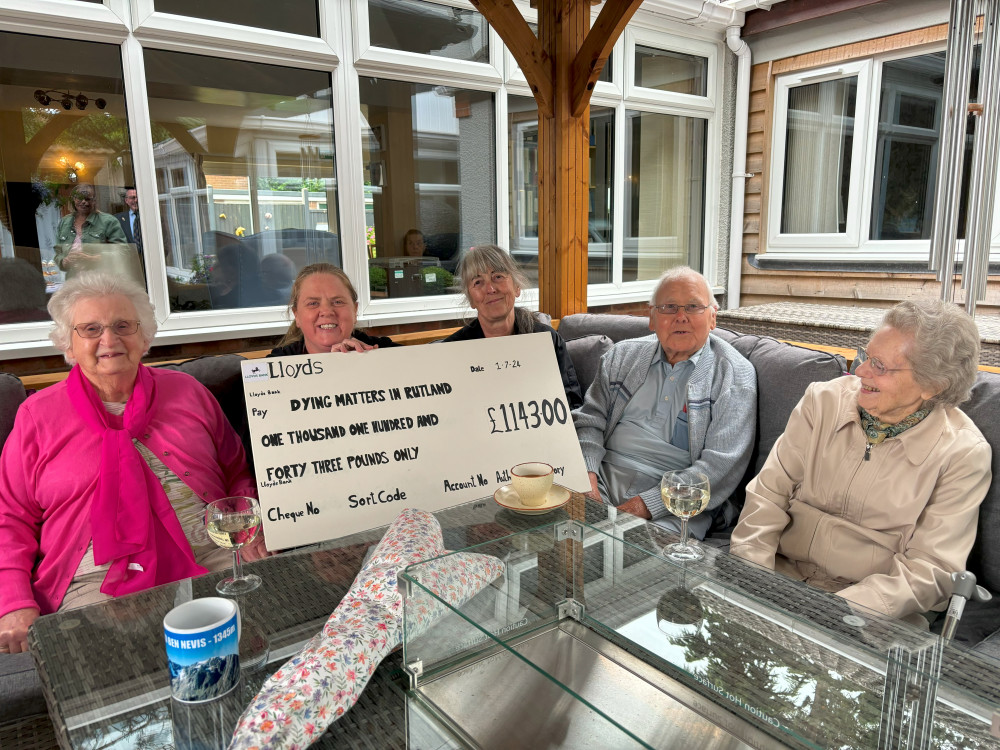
point(491, 282)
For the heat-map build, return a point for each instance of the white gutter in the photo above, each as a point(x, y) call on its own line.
point(703, 13)
point(746, 5)
point(740, 176)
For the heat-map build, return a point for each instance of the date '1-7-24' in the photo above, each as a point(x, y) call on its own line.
point(518, 415)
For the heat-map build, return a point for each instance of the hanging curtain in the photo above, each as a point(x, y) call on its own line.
point(819, 138)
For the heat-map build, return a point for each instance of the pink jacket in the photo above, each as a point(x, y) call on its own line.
point(48, 473)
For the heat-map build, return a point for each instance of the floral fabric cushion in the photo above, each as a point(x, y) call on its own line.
point(318, 685)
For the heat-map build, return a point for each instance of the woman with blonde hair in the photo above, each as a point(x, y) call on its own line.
point(324, 308)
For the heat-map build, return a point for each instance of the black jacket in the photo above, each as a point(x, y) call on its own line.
point(299, 347)
point(570, 382)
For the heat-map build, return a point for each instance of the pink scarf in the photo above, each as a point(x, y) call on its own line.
point(133, 525)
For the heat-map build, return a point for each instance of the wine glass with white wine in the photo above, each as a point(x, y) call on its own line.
point(686, 493)
point(232, 523)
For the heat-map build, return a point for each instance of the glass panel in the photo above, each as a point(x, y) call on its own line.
point(430, 174)
point(429, 29)
point(670, 71)
point(906, 154)
point(63, 139)
point(664, 194)
point(818, 157)
point(245, 167)
point(523, 150)
point(291, 16)
point(773, 661)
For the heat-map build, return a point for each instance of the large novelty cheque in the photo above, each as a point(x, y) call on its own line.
point(344, 442)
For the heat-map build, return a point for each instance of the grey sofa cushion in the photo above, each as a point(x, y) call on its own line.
point(979, 621)
point(984, 409)
point(11, 395)
point(615, 327)
point(991, 646)
point(223, 376)
point(586, 353)
point(20, 688)
point(793, 368)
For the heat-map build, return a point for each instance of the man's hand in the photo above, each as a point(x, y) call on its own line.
point(352, 345)
point(594, 492)
point(14, 630)
point(636, 507)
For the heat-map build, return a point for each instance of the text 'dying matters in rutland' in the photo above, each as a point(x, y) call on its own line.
point(343, 442)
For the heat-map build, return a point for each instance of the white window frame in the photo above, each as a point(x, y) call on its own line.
point(342, 50)
point(850, 238)
point(641, 99)
point(855, 244)
point(689, 46)
point(397, 64)
point(206, 324)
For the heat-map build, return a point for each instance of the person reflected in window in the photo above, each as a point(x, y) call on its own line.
point(413, 244)
point(130, 220)
point(277, 274)
point(91, 240)
point(22, 292)
point(873, 490)
point(679, 398)
point(324, 308)
point(235, 278)
point(492, 281)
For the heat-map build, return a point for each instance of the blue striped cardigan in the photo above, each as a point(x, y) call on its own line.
point(722, 413)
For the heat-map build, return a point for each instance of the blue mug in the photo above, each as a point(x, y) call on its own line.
point(203, 648)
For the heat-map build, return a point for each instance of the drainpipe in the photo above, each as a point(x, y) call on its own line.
point(742, 52)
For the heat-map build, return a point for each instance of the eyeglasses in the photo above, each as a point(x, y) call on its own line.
point(118, 328)
point(674, 309)
point(876, 364)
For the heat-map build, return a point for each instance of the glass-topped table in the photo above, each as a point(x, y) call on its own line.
point(593, 639)
point(589, 639)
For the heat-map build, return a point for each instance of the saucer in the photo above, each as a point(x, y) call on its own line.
point(506, 496)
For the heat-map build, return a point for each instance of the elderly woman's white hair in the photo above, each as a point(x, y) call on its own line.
point(93, 285)
point(945, 350)
point(683, 272)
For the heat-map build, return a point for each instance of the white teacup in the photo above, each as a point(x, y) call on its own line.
point(532, 482)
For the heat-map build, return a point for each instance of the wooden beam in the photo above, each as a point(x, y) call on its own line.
point(562, 66)
point(593, 55)
point(534, 61)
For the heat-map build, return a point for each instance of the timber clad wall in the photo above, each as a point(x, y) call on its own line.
point(868, 289)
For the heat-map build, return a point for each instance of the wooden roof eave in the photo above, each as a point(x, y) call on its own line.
point(596, 48)
point(535, 63)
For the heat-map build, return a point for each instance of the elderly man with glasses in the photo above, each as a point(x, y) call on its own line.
point(677, 399)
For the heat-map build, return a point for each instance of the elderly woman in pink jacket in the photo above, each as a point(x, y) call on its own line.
point(873, 490)
point(104, 478)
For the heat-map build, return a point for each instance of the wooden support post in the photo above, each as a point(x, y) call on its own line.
point(561, 66)
point(563, 163)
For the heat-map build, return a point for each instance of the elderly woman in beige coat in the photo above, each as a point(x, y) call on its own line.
point(873, 490)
